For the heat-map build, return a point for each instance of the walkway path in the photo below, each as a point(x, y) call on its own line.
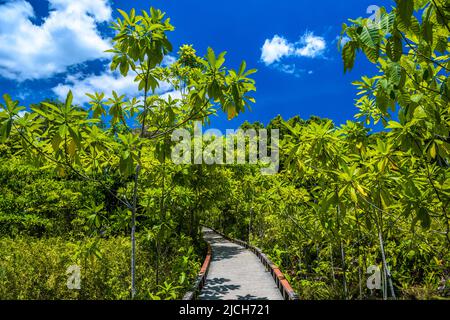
point(236, 273)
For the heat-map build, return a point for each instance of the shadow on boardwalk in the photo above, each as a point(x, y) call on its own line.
point(236, 273)
point(216, 288)
point(224, 248)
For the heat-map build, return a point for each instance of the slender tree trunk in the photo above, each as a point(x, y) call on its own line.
point(360, 278)
point(387, 272)
point(250, 225)
point(162, 211)
point(344, 271)
point(191, 224)
point(300, 268)
point(133, 232)
point(388, 276)
point(333, 276)
point(157, 263)
point(135, 196)
point(359, 255)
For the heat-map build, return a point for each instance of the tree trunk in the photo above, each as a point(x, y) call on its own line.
point(388, 275)
point(359, 255)
point(344, 274)
point(250, 226)
point(133, 233)
point(157, 263)
point(344, 270)
point(332, 265)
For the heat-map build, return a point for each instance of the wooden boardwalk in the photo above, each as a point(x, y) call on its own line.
point(236, 273)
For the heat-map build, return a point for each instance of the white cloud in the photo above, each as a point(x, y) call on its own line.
point(99, 9)
point(174, 94)
point(312, 46)
point(287, 68)
point(291, 69)
point(168, 60)
point(277, 48)
point(21, 114)
point(106, 82)
point(68, 36)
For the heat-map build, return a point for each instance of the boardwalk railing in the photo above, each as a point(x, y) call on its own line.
point(282, 283)
point(201, 278)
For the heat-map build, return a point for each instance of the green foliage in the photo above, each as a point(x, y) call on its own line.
point(36, 269)
point(340, 191)
point(35, 202)
point(345, 198)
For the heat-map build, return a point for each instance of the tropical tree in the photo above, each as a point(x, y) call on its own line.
point(70, 138)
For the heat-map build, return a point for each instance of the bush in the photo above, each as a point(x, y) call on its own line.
point(36, 269)
point(35, 202)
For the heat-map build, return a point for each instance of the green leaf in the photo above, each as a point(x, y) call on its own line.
point(56, 141)
point(63, 130)
point(424, 217)
point(72, 148)
point(349, 55)
point(69, 100)
point(394, 125)
point(211, 56)
point(5, 129)
point(242, 67)
point(51, 106)
point(394, 73)
point(152, 83)
point(220, 60)
point(387, 22)
point(40, 112)
point(417, 98)
point(9, 102)
point(405, 9)
point(370, 36)
point(125, 16)
point(124, 68)
point(394, 48)
point(433, 150)
point(75, 136)
point(415, 26)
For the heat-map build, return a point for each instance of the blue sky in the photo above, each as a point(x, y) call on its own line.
point(50, 46)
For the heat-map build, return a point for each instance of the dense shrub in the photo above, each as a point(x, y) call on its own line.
point(34, 201)
point(36, 269)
